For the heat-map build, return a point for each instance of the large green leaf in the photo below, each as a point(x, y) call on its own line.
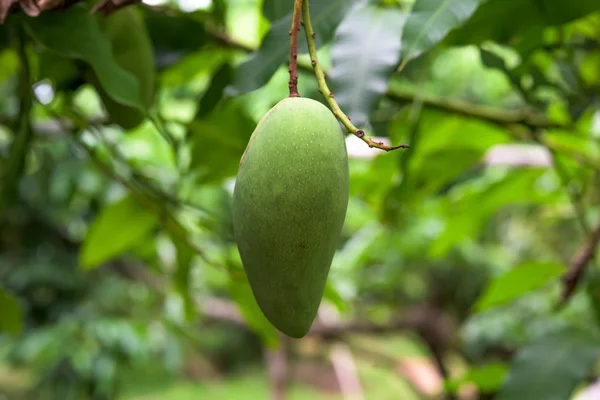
point(275, 48)
point(277, 9)
point(11, 314)
point(75, 33)
point(551, 367)
point(430, 21)
point(501, 20)
point(365, 51)
point(517, 282)
point(119, 227)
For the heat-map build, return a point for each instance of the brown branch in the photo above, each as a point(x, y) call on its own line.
point(293, 70)
point(527, 117)
point(582, 258)
point(278, 366)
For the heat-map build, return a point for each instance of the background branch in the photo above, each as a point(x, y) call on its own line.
point(582, 258)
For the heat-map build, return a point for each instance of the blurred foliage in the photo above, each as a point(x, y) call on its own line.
point(120, 139)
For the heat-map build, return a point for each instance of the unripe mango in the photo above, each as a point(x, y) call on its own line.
point(289, 206)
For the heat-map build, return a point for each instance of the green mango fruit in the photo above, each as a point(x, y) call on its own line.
point(289, 205)
point(132, 49)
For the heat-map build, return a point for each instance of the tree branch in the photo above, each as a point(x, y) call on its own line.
point(293, 70)
point(324, 89)
point(582, 258)
point(528, 117)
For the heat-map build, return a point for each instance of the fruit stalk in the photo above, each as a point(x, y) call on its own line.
point(324, 89)
point(293, 70)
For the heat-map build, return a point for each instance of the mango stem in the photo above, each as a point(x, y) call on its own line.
point(293, 70)
point(324, 89)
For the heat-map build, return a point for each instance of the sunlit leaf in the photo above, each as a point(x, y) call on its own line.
point(518, 282)
point(11, 314)
point(365, 51)
point(488, 378)
point(118, 227)
point(551, 367)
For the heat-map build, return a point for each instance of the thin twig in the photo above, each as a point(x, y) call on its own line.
point(293, 70)
point(582, 258)
point(324, 89)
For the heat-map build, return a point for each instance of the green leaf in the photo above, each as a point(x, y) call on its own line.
point(518, 282)
point(220, 80)
point(449, 146)
point(119, 227)
point(429, 23)
point(75, 33)
point(181, 277)
point(477, 200)
point(11, 314)
point(365, 51)
point(241, 293)
point(175, 35)
point(332, 295)
point(218, 142)
point(551, 367)
point(275, 48)
point(488, 378)
point(502, 20)
point(274, 10)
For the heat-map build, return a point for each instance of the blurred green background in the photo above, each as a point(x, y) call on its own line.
point(466, 266)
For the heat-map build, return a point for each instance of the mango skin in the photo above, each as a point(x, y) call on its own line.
point(289, 206)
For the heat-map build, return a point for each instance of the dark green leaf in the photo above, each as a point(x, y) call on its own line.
point(219, 141)
point(244, 298)
point(277, 9)
point(502, 20)
point(274, 50)
point(430, 21)
point(182, 278)
point(175, 35)
point(11, 314)
point(118, 227)
point(551, 367)
point(518, 282)
point(593, 292)
point(220, 80)
point(75, 33)
point(365, 51)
